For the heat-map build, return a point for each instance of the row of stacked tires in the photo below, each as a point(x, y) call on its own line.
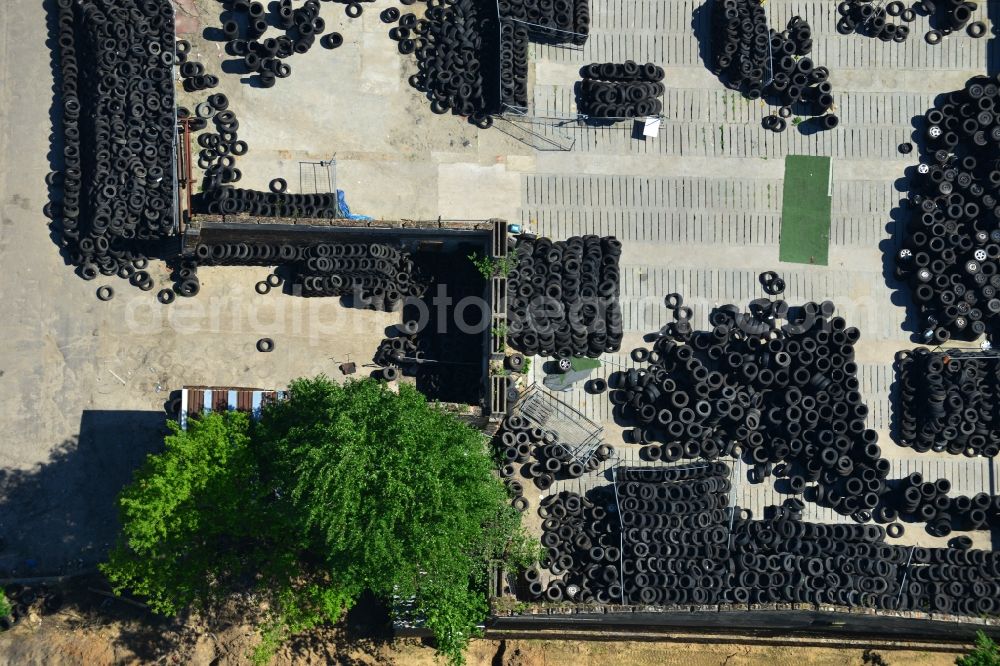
point(929, 502)
point(226, 200)
point(377, 275)
point(116, 61)
point(450, 60)
point(513, 64)
point(949, 401)
point(763, 63)
point(563, 296)
point(951, 244)
point(554, 21)
point(542, 456)
point(667, 536)
point(620, 90)
point(784, 396)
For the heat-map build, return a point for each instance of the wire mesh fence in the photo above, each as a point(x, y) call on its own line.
point(576, 433)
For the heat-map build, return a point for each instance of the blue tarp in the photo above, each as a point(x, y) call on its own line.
point(345, 211)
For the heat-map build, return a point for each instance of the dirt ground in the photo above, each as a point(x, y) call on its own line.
point(56, 646)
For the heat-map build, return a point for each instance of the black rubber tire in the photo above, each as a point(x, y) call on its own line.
point(894, 530)
point(933, 37)
point(262, 287)
point(189, 288)
point(976, 29)
point(166, 296)
point(274, 280)
point(105, 293)
point(895, 8)
point(389, 15)
point(278, 185)
point(354, 9)
point(905, 148)
point(596, 386)
point(673, 301)
point(265, 345)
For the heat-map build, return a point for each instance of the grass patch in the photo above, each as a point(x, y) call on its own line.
point(805, 211)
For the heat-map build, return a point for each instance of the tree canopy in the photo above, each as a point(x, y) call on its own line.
point(985, 653)
point(336, 490)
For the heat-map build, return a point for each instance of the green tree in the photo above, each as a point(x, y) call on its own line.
point(5, 608)
point(337, 490)
point(986, 653)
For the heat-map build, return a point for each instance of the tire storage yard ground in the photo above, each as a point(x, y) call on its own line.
point(834, 425)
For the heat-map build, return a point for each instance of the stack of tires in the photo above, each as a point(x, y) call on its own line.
point(949, 401)
point(302, 25)
point(117, 103)
point(376, 275)
point(763, 63)
point(740, 35)
point(620, 90)
point(563, 296)
point(666, 537)
point(556, 22)
point(219, 150)
point(873, 20)
point(449, 61)
point(518, 442)
point(785, 395)
point(513, 64)
point(194, 78)
point(929, 502)
point(226, 200)
point(950, 252)
point(952, 16)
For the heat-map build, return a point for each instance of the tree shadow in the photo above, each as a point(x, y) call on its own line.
point(60, 516)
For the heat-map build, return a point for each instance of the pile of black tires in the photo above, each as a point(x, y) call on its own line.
point(872, 20)
point(784, 395)
point(952, 16)
point(117, 106)
point(563, 296)
point(949, 401)
point(226, 200)
point(667, 536)
point(376, 276)
point(763, 63)
point(27, 600)
point(303, 26)
point(951, 244)
point(218, 150)
point(542, 457)
point(449, 55)
point(929, 502)
point(514, 39)
point(551, 21)
point(620, 90)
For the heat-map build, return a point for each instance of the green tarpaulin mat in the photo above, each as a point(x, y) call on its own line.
point(563, 381)
point(805, 211)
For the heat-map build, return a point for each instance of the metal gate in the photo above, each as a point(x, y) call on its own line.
point(318, 177)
